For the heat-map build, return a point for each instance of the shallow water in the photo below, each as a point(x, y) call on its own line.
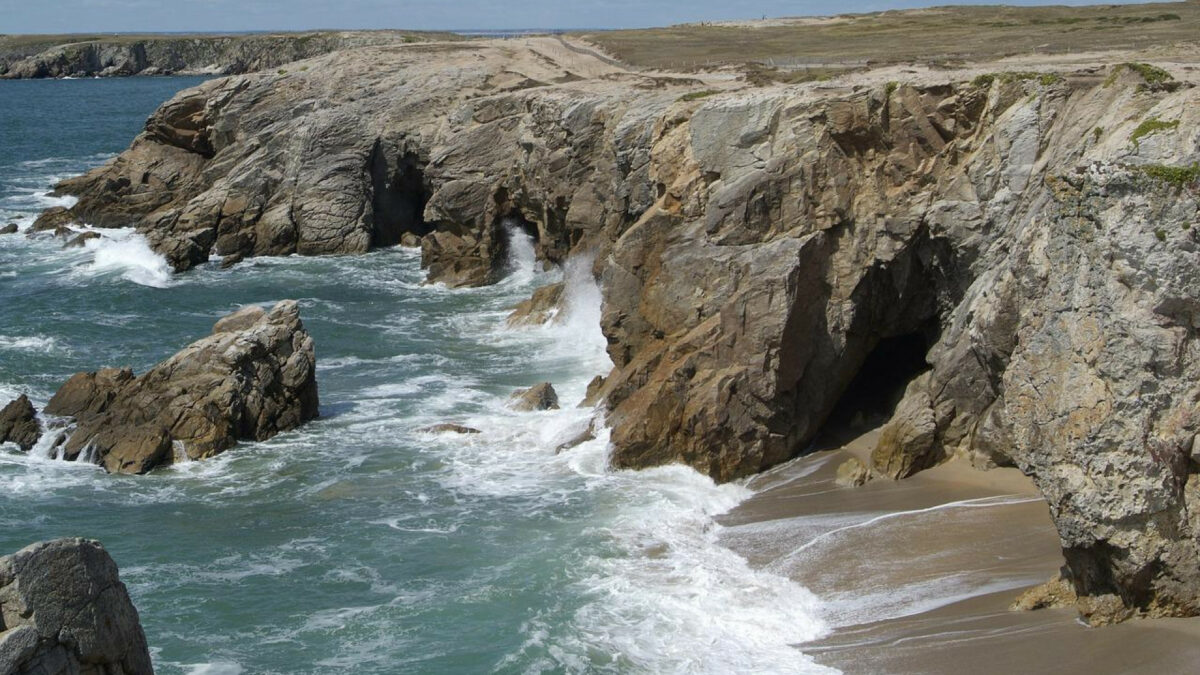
point(359, 543)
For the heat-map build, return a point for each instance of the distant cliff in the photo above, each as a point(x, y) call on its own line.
point(41, 56)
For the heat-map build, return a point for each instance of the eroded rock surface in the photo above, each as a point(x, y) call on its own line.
point(755, 246)
point(64, 611)
point(254, 377)
point(538, 397)
point(18, 423)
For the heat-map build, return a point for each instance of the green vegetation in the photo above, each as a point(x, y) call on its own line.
point(891, 89)
point(281, 71)
point(943, 34)
point(1097, 133)
point(1178, 176)
point(1151, 126)
point(1151, 75)
point(1044, 79)
point(1161, 234)
point(697, 95)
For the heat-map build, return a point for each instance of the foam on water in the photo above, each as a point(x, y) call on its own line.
point(128, 253)
point(44, 344)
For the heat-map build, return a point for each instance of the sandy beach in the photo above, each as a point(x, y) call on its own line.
point(917, 576)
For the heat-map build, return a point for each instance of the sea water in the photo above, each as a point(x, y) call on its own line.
point(359, 543)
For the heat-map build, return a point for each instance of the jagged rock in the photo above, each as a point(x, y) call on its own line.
point(447, 427)
point(594, 393)
point(81, 240)
point(55, 219)
point(63, 609)
point(10, 228)
point(18, 423)
point(538, 397)
point(578, 439)
point(756, 247)
point(852, 473)
point(410, 240)
point(1058, 592)
point(255, 376)
point(540, 308)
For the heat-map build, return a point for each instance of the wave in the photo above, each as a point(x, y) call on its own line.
point(129, 254)
point(40, 344)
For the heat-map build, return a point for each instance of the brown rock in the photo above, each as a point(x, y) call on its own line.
point(582, 437)
point(81, 239)
point(907, 443)
point(54, 218)
point(543, 306)
point(447, 427)
point(252, 378)
point(538, 397)
point(10, 228)
point(594, 393)
point(853, 473)
point(18, 423)
point(1058, 592)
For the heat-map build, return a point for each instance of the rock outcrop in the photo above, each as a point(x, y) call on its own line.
point(1024, 244)
point(117, 56)
point(538, 397)
point(64, 610)
point(254, 377)
point(18, 423)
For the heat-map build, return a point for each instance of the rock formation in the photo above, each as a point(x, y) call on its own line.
point(116, 56)
point(64, 610)
point(538, 397)
point(18, 423)
point(1014, 253)
point(254, 377)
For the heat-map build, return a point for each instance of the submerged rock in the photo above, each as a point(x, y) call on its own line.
point(81, 240)
point(447, 427)
point(10, 228)
point(63, 609)
point(538, 397)
point(252, 378)
point(18, 423)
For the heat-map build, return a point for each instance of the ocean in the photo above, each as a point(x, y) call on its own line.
point(359, 543)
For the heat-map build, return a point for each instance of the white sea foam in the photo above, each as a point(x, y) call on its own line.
point(214, 668)
point(522, 260)
point(42, 344)
point(128, 253)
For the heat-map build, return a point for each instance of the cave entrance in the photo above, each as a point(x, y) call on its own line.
point(518, 241)
point(873, 394)
point(398, 198)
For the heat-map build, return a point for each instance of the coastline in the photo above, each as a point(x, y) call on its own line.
point(940, 556)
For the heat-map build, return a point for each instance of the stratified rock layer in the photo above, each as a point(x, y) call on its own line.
point(252, 378)
point(756, 246)
point(64, 611)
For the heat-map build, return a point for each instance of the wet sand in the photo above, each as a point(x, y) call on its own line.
point(916, 576)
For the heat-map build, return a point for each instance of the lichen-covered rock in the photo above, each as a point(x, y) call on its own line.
point(254, 377)
point(64, 610)
point(19, 424)
point(538, 397)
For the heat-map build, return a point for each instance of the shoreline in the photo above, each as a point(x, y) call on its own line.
point(917, 576)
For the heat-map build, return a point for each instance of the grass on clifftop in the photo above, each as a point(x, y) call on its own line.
point(940, 34)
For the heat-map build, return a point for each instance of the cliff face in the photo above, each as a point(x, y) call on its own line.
point(1015, 253)
point(23, 57)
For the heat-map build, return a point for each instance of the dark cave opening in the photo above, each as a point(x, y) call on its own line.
point(871, 397)
point(398, 198)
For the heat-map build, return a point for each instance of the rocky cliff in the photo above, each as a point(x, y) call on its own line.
point(27, 57)
point(1011, 254)
point(64, 610)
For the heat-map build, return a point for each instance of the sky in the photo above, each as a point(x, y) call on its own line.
point(70, 16)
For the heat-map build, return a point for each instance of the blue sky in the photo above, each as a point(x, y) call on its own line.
point(63, 16)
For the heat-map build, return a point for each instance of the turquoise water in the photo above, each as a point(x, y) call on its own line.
point(359, 543)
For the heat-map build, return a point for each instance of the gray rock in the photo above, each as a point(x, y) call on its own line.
point(63, 609)
point(538, 397)
point(80, 240)
point(19, 425)
point(448, 427)
point(10, 228)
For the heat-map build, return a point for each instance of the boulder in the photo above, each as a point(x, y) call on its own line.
point(538, 397)
point(1058, 592)
point(852, 473)
point(543, 306)
point(53, 219)
point(18, 423)
point(63, 609)
point(254, 377)
point(10, 228)
point(80, 240)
